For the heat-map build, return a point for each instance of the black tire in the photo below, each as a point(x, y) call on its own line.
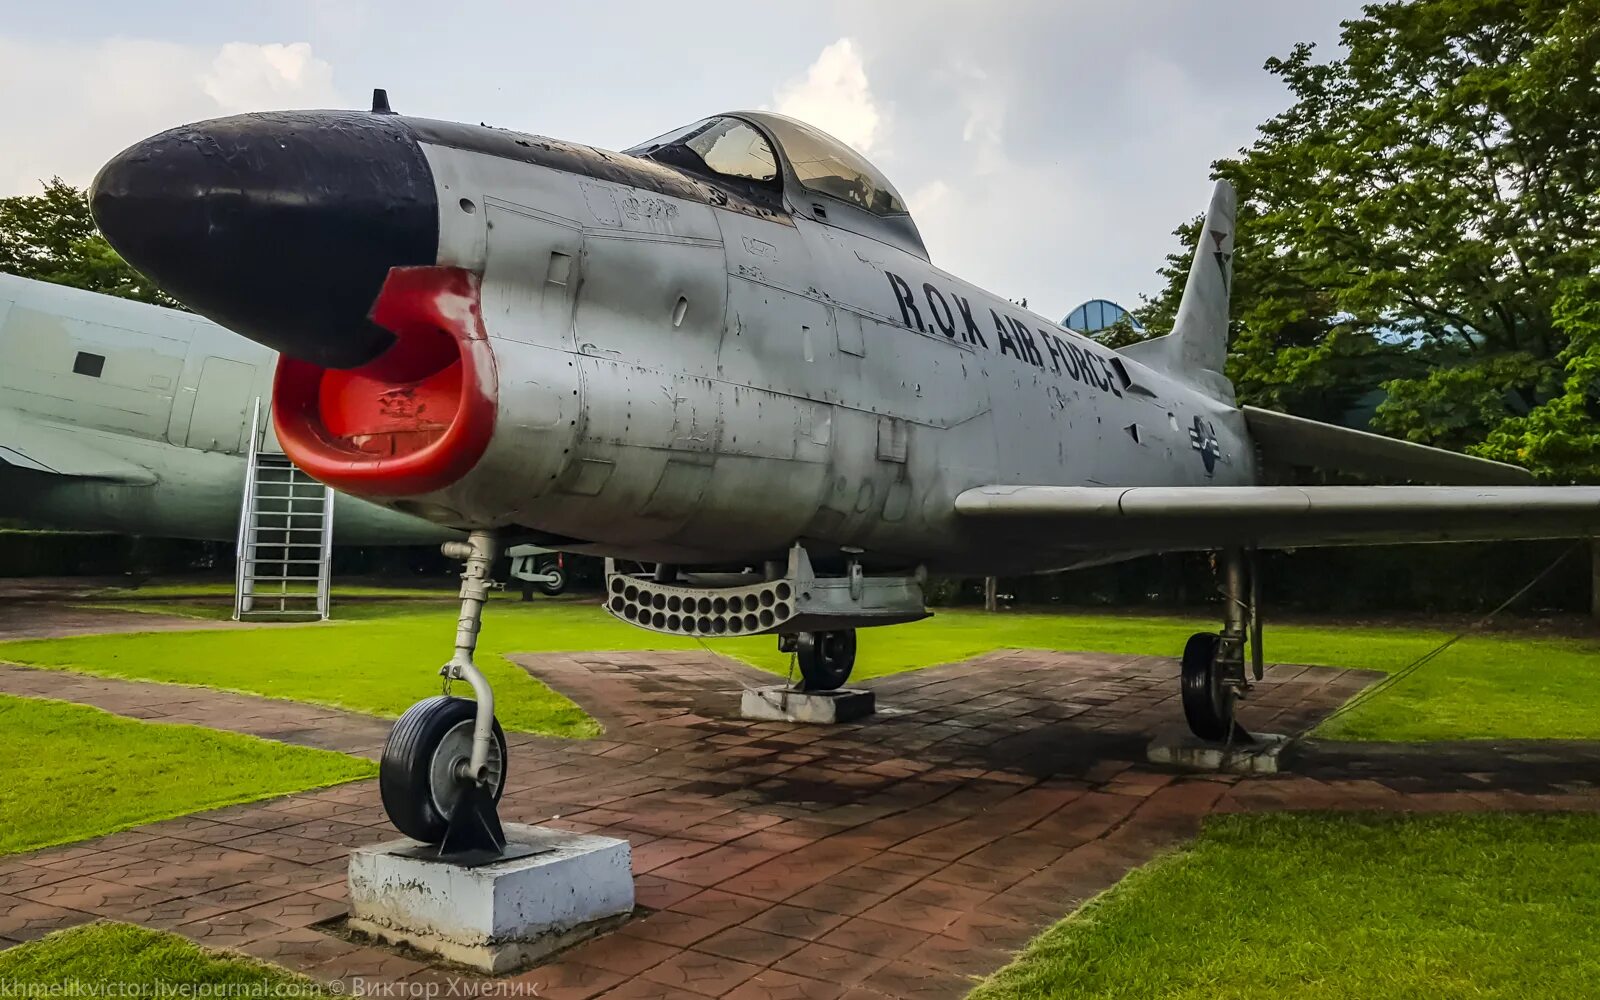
point(826, 659)
point(407, 773)
point(1207, 702)
point(527, 591)
point(555, 586)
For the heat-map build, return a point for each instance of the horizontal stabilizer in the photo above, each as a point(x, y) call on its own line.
point(28, 444)
point(1171, 518)
point(1290, 440)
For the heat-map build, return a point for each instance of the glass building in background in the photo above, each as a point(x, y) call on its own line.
point(1098, 314)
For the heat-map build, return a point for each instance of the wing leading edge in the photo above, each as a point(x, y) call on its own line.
point(1289, 440)
point(1175, 518)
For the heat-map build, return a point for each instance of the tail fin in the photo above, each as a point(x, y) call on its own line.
point(1197, 347)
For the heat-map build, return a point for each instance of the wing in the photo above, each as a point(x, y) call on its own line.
point(39, 447)
point(1295, 441)
point(1171, 518)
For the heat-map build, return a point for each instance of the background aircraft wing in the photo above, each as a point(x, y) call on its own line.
point(29, 444)
point(1288, 440)
point(1174, 518)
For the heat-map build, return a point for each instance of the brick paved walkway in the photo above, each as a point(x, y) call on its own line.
point(893, 858)
point(52, 620)
point(284, 721)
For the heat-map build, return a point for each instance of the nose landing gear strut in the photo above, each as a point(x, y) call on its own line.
point(444, 763)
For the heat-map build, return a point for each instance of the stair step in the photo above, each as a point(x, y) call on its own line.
point(283, 531)
point(269, 561)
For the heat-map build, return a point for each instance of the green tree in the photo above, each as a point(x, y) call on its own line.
point(52, 237)
point(1416, 214)
point(1291, 348)
point(1560, 439)
point(1119, 334)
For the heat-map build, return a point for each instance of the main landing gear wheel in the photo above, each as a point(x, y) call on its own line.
point(826, 658)
point(1208, 699)
point(557, 582)
point(551, 587)
point(421, 777)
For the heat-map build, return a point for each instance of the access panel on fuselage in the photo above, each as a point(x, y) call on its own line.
point(531, 275)
point(778, 333)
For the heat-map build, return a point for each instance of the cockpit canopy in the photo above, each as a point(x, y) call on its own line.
point(739, 148)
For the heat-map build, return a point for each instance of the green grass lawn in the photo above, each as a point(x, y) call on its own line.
point(74, 772)
point(1309, 907)
point(106, 959)
point(432, 588)
point(381, 658)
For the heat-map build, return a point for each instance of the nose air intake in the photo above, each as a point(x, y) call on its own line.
point(414, 420)
point(281, 226)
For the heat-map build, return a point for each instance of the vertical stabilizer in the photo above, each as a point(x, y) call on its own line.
point(1200, 332)
point(1197, 347)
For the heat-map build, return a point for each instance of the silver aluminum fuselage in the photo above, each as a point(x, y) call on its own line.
point(694, 384)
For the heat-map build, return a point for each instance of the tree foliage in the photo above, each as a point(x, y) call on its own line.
point(1422, 216)
point(1560, 439)
point(52, 237)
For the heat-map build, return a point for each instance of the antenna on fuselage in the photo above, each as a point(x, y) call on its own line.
point(380, 102)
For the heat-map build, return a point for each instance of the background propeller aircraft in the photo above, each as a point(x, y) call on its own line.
point(725, 354)
point(121, 416)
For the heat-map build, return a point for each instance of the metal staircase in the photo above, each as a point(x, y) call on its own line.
point(285, 541)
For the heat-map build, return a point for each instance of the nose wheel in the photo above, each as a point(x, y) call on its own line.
point(425, 775)
point(444, 763)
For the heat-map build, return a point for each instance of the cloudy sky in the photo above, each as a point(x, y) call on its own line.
point(1047, 147)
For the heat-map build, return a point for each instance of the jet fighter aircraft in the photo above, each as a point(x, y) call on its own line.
point(723, 360)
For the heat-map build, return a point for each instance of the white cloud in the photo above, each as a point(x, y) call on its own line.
point(105, 95)
point(834, 95)
point(1051, 148)
point(245, 77)
point(929, 198)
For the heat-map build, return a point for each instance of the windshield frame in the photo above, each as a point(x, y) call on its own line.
point(860, 168)
point(786, 195)
point(674, 149)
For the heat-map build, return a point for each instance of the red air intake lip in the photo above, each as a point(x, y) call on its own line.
point(415, 419)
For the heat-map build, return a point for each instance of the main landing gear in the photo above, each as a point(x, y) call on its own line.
point(825, 658)
point(553, 581)
point(1213, 677)
point(444, 763)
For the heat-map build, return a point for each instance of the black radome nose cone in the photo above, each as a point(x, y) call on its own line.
point(280, 226)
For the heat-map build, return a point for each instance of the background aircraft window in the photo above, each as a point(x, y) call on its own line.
point(725, 147)
point(88, 364)
point(829, 167)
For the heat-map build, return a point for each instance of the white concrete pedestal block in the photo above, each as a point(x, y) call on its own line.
point(1184, 749)
point(779, 703)
point(495, 916)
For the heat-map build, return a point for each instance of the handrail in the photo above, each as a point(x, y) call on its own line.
point(243, 598)
point(325, 567)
